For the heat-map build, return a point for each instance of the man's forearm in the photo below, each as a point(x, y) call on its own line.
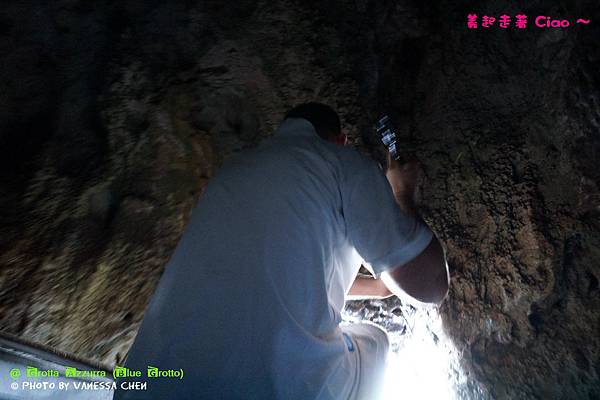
point(368, 288)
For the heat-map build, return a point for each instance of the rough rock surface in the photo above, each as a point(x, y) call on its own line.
point(112, 117)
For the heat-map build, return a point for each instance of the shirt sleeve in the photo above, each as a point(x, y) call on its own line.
point(381, 232)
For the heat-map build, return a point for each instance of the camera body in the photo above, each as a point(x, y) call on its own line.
point(388, 136)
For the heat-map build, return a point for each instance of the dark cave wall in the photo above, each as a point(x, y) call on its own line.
point(113, 116)
point(516, 210)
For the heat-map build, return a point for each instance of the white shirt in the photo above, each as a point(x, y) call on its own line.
point(250, 302)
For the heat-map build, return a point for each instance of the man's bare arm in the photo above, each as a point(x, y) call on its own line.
point(425, 278)
point(365, 287)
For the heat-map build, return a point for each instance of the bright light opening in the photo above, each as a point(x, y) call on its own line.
point(423, 363)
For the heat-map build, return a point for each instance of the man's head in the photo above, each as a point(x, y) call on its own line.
point(324, 119)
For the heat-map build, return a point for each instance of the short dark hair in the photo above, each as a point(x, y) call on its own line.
point(324, 118)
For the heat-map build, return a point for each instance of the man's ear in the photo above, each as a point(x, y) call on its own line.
point(340, 139)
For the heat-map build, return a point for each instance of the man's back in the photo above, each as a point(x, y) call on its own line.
point(250, 302)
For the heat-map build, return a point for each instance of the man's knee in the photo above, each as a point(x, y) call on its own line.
point(371, 337)
point(383, 342)
point(373, 347)
point(382, 338)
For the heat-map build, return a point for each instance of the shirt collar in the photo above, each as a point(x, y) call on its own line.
point(295, 127)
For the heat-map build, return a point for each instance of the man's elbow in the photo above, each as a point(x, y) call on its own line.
point(436, 280)
point(435, 291)
point(424, 278)
point(440, 289)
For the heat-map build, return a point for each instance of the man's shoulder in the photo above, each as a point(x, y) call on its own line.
point(347, 159)
point(353, 160)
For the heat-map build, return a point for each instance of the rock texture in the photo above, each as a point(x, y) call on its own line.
point(113, 116)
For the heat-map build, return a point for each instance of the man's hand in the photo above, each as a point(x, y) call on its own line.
point(403, 178)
